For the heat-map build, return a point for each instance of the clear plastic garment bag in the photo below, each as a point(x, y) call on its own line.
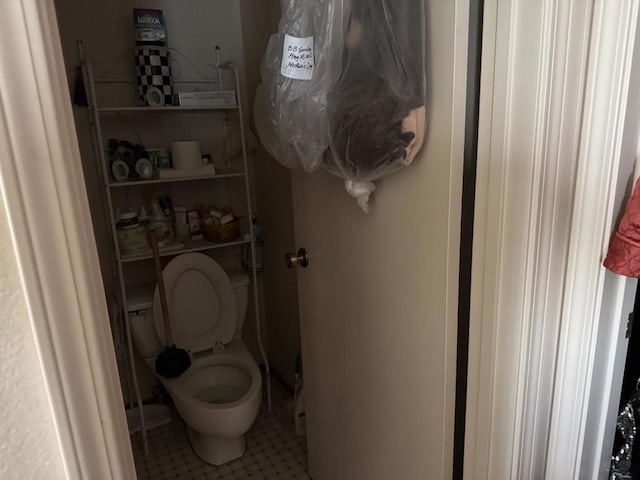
point(343, 88)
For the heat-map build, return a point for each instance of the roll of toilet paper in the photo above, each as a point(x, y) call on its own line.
point(186, 155)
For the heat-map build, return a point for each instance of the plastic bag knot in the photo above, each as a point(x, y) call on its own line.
point(361, 192)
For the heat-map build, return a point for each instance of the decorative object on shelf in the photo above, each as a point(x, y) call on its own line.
point(159, 158)
point(154, 97)
point(120, 170)
point(153, 70)
point(144, 169)
point(124, 154)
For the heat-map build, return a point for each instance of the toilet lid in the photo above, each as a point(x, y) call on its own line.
point(201, 300)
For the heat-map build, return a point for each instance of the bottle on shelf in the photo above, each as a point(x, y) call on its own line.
point(258, 239)
point(161, 223)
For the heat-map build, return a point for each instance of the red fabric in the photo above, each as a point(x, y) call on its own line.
point(623, 256)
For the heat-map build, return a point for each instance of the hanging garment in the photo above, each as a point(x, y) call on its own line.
point(623, 256)
point(625, 445)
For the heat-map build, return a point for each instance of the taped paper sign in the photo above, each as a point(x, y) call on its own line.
point(297, 58)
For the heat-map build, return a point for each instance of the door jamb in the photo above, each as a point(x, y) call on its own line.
point(549, 152)
point(46, 203)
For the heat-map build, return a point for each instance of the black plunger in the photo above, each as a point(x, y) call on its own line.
point(173, 361)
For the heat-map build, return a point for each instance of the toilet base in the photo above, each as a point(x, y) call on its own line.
point(216, 450)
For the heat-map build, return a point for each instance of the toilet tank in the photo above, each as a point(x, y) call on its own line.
point(240, 282)
point(143, 330)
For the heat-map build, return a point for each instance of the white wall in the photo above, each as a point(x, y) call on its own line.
point(28, 442)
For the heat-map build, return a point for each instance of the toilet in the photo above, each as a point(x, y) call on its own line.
point(218, 397)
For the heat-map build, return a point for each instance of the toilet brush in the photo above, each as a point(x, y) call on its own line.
point(173, 361)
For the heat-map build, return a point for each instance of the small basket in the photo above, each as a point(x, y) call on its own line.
point(221, 233)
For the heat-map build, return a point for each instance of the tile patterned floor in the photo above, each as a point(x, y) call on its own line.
point(273, 450)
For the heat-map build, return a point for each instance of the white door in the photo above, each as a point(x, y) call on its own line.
point(378, 301)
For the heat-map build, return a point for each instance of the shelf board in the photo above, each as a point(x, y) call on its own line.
point(176, 108)
point(189, 246)
point(174, 180)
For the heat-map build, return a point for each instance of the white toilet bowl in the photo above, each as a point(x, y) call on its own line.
point(220, 394)
point(218, 397)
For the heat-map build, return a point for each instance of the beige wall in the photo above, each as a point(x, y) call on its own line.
point(29, 445)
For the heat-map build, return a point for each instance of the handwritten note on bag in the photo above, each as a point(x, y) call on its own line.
point(297, 58)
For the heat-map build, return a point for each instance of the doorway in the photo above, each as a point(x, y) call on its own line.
point(379, 301)
point(241, 28)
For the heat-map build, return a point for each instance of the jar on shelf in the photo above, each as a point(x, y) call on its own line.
point(132, 235)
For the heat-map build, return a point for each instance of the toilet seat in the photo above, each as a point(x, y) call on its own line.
point(201, 301)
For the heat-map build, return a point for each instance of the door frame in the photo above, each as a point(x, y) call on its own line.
point(65, 296)
point(46, 203)
point(553, 103)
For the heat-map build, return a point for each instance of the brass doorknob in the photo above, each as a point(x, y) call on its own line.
point(301, 258)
